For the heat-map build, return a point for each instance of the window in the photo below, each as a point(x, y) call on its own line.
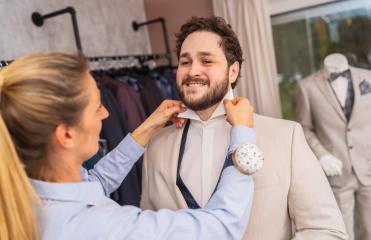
point(303, 38)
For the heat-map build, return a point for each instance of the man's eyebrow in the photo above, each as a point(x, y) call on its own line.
point(205, 54)
point(202, 54)
point(184, 55)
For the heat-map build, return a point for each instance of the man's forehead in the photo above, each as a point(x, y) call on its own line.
point(202, 43)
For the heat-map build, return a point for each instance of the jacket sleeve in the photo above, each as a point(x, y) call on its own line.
point(304, 117)
point(312, 205)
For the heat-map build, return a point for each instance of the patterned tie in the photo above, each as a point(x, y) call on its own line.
point(349, 101)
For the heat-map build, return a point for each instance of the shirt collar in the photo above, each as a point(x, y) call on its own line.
point(219, 111)
point(88, 192)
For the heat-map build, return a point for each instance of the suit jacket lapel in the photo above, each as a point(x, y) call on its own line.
point(328, 93)
point(356, 79)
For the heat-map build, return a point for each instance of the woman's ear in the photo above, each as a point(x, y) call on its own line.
point(64, 136)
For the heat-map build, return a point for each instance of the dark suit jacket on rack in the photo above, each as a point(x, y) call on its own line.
point(129, 102)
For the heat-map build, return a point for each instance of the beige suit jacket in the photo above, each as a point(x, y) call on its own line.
point(292, 198)
point(327, 129)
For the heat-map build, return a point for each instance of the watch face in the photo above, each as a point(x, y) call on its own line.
point(248, 158)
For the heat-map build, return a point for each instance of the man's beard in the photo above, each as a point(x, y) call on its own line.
point(212, 96)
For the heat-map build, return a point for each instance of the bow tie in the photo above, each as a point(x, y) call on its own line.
point(334, 76)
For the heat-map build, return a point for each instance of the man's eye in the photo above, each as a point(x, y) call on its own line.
point(206, 61)
point(184, 62)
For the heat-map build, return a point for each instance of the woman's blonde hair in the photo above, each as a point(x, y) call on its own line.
point(37, 92)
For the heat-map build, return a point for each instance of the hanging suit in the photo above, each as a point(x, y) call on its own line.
point(114, 129)
point(329, 132)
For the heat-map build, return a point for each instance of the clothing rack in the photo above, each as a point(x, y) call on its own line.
point(141, 58)
point(128, 60)
point(38, 20)
point(161, 20)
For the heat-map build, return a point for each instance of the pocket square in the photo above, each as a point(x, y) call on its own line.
point(364, 87)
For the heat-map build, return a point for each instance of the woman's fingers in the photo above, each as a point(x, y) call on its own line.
point(170, 103)
point(179, 122)
point(176, 109)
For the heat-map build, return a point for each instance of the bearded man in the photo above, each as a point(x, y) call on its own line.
point(292, 199)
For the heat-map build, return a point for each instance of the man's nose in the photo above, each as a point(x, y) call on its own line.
point(195, 70)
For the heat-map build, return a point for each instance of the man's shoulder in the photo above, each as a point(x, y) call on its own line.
point(270, 124)
point(270, 131)
point(165, 134)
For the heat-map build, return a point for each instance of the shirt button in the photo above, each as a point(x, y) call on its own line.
point(348, 129)
point(350, 147)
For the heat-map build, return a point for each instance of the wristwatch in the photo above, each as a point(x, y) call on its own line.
point(247, 158)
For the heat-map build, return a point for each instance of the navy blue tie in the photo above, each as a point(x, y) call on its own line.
point(191, 202)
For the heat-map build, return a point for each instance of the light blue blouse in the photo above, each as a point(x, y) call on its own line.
point(83, 210)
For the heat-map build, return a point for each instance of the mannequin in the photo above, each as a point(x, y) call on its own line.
point(334, 65)
point(333, 106)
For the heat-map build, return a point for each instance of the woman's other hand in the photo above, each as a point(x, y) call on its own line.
point(239, 112)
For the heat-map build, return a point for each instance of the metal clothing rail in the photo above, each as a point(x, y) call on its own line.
point(4, 63)
point(140, 57)
point(161, 20)
point(38, 20)
point(126, 61)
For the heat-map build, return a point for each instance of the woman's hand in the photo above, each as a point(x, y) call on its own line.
point(239, 112)
point(167, 111)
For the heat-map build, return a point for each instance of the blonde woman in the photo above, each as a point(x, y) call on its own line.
point(51, 116)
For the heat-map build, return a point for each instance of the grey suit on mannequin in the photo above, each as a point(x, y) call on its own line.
point(329, 132)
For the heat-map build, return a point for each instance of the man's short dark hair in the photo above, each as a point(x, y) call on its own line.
point(230, 44)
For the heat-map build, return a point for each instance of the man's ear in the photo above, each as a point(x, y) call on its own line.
point(234, 69)
point(63, 136)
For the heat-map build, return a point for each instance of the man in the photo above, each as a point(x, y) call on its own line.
point(292, 198)
point(333, 105)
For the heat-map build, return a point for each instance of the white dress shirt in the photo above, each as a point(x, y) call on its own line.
point(205, 152)
point(340, 86)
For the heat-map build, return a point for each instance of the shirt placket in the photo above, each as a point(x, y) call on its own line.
point(206, 162)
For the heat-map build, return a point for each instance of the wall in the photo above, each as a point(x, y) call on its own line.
point(175, 12)
point(105, 27)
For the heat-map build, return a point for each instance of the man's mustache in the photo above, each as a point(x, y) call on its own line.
point(188, 80)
